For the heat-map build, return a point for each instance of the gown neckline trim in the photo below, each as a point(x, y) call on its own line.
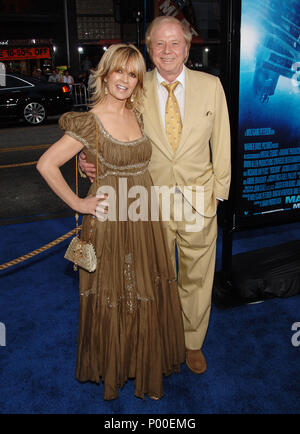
point(119, 142)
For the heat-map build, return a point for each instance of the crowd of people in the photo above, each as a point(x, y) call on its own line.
point(54, 77)
point(83, 77)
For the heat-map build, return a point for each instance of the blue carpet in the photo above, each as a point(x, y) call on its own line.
point(252, 365)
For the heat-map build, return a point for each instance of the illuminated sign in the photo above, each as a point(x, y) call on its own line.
point(24, 53)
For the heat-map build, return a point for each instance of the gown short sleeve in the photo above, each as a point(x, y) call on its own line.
point(140, 120)
point(80, 126)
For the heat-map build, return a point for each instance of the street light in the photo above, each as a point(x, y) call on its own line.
point(80, 51)
point(205, 56)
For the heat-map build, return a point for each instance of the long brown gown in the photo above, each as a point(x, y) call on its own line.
point(130, 321)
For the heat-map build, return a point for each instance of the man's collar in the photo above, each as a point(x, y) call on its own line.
point(180, 78)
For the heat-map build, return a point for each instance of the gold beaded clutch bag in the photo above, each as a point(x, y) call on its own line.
point(82, 253)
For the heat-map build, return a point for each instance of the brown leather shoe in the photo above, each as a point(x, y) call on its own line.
point(195, 361)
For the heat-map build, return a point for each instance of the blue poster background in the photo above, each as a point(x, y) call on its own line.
point(269, 108)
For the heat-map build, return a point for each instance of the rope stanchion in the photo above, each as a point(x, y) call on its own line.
point(21, 148)
point(40, 250)
point(8, 166)
point(52, 243)
point(24, 148)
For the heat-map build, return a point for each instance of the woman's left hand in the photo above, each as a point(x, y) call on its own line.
point(88, 205)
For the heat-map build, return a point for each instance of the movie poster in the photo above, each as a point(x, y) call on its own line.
point(269, 109)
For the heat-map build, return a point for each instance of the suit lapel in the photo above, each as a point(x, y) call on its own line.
point(188, 112)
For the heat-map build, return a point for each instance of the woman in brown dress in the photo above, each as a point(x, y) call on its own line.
point(130, 322)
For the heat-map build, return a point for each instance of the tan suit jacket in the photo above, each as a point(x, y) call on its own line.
point(203, 155)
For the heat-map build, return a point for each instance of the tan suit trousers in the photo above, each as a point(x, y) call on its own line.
point(196, 266)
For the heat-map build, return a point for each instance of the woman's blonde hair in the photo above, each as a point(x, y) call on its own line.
point(117, 57)
point(158, 20)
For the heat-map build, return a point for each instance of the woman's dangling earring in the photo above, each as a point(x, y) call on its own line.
point(131, 98)
point(105, 87)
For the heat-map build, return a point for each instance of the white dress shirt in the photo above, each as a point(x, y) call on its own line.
point(163, 94)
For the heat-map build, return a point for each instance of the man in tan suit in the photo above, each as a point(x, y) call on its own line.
point(201, 158)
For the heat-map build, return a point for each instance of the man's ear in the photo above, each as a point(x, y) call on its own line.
point(186, 53)
point(150, 53)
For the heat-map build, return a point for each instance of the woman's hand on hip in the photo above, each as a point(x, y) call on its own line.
point(90, 204)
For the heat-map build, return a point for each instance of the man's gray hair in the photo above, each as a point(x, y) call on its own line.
point(164, 18)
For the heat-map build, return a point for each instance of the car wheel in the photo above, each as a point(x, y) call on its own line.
point(34, 113)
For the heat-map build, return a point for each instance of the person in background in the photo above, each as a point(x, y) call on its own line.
point(86, 64)
point(186, 118)
point(37, 73)
point(91, 80)
point(67, 78)
point(54, 77)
